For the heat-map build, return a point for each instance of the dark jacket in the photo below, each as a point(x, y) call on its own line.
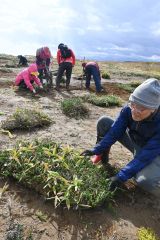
point(145, 134)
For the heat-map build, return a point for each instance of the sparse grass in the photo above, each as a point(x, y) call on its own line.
point(104, 101)
point(25, 119)
point(106, 75)
point(74, 108)
point(57, 172)
point(4, 70)
point(146, 234)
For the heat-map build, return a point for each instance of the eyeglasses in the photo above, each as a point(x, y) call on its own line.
point(138, 108)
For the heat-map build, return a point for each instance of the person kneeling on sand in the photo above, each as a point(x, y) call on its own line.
point(138, 128)
point(27, 77)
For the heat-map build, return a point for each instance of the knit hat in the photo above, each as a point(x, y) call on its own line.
point(147, 94)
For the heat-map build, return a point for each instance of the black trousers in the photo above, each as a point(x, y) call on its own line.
point(64, 66)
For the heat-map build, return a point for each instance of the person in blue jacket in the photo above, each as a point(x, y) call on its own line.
point(138, 128)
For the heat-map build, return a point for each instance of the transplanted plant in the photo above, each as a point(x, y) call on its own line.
point(75, 108)
point(26, 119)
point(104, 101)
point(57, 172)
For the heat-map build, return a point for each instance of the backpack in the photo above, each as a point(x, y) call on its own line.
point(65, 52)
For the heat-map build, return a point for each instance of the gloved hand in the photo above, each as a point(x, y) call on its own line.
point(41, 86)
point(34, 91)
point(115, 182)
point(87, 153)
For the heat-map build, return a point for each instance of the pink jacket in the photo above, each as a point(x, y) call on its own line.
point(27, 77)
point(92, 64)
point(43, 53)
point(43, 56)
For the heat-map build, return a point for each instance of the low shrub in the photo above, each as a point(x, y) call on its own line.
point(74, 108)
point(57, 172)
point(25, 119)
point(105, 75)
point(104, 101)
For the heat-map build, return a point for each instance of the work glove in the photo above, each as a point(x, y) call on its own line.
point(41, 86)
point(34, 91)
point(115, 182)
point(87, 153)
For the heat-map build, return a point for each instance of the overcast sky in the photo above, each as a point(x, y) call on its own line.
point(101, 30)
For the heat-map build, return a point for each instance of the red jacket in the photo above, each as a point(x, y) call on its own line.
point(70, 59)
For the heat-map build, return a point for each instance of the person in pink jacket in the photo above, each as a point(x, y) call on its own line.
point(27, 77)
point(43, 61)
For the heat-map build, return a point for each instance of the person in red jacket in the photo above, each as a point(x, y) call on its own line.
point(27, 77)
point(66, 61)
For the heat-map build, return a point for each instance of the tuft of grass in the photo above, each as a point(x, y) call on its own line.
point(146, 234)
point(129, 87)
point(57, 172)
point(104, 101)
point(105, 75)
point(74, 108)
point(26, 119)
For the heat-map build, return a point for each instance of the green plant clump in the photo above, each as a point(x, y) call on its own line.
point(74, 108)
point(146, 234)
point(57, 172)
point(26, 119)
point(104, 101)
point(105, 75)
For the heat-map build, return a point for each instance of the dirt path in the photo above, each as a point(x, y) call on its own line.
point(120, 221)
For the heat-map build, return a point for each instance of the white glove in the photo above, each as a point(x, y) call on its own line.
point(41, 86)
point(34, 91)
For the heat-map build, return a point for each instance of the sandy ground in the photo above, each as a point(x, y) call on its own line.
point(120, 221)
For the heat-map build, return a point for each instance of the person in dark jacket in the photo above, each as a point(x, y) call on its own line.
point(66, 61)
point(138, 128)
point(22, 61)
point(92, 69)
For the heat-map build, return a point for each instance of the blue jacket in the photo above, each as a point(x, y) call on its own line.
point(145, 134)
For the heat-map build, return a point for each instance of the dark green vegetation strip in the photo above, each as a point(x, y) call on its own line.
point(104, 100)
point(57, 172)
